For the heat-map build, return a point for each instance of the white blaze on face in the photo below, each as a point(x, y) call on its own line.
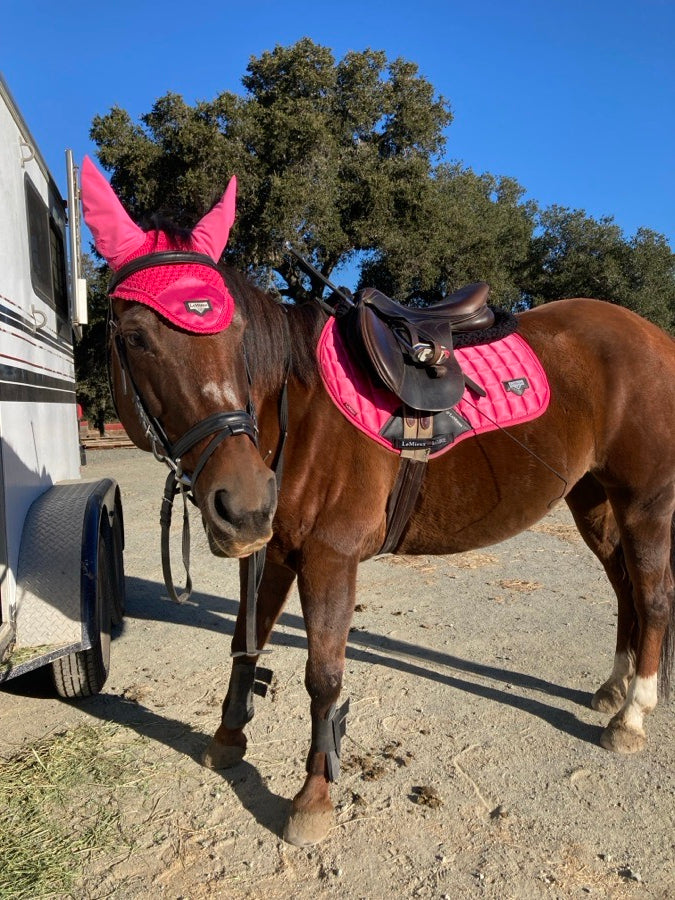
point(220, 393)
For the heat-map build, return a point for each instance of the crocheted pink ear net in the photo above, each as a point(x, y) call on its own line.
point(192, 296)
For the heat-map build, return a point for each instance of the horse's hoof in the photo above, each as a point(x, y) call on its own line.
point(619, 738)
point(305, 827)
point(222, 756)
point(608, 699)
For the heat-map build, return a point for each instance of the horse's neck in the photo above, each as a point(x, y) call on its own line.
point(305, 325)
point(281, 348)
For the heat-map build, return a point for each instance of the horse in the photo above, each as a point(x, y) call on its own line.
point(607, 431)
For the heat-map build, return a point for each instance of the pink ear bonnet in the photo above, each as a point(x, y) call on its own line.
point(191, 295)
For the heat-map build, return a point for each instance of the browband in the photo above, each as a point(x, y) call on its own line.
point(161, 258)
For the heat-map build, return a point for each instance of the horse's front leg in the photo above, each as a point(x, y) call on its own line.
point(327, 585)
point(228, 744)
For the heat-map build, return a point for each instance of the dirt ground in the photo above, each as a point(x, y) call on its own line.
point(471, 765)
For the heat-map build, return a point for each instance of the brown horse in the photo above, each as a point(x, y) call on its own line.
point(607, 431)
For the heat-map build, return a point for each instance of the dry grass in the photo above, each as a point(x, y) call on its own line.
point(25, 654)
point(419, 563)
point(562, 530)
point(56, 810)
point(522, 587)
point(473, 559)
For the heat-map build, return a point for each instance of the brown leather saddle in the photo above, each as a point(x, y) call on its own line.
point(409, 350)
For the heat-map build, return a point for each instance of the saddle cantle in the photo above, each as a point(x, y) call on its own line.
point(409, 350)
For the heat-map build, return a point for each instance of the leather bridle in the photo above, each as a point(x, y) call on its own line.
point(160, 258)
point(218, 426)
point(221, 425)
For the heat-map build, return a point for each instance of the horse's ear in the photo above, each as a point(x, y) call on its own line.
point(115, 235)
point(211, 232)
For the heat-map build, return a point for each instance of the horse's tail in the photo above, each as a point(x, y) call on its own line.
point(668, 647)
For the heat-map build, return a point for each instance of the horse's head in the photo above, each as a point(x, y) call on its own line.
point(178, 370)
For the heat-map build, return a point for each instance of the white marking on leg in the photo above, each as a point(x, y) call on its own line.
point(616, 685)
point(641, 699)
point(623, 669)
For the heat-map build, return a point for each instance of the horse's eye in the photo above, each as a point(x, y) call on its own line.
point(135, 341)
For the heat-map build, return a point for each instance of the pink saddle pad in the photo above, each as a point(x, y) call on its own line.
point(515, 383)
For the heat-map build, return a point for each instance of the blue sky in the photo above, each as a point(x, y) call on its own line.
point(574, 99)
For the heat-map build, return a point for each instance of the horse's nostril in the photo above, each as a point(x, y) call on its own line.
point(232, 509)
point(220, 505)
point(271, 493)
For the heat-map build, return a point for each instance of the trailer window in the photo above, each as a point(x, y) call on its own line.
point(38, 242)
point(58, 270)
point(47, 252)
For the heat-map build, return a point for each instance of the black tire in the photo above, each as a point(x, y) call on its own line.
point(84, 673)
point(118, 598)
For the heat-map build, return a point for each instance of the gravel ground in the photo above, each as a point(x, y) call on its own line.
point(471, 765)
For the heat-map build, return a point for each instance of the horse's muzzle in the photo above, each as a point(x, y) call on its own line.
point(238, 522)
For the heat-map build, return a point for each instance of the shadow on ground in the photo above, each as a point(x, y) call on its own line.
point(144, 601)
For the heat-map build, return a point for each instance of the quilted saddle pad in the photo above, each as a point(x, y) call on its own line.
point(515, 383)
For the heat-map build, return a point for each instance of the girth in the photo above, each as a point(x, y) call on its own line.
point(410, 352)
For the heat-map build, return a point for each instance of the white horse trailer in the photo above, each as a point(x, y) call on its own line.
point(61, 537)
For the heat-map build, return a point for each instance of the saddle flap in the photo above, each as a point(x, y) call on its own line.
point(421, 387)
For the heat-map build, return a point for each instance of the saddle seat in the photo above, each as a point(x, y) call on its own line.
point(410, 350)
point(465, 310)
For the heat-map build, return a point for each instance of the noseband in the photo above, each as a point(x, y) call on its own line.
point(219, 426)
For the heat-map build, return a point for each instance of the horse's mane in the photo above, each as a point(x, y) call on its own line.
point(271, 328)
point(159, 221)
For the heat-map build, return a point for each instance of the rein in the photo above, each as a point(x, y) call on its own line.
point(218, 426)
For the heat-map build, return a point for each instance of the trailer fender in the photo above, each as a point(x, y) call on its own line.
point(70, 584)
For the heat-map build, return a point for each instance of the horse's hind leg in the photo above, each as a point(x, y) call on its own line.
point(645, 526)
point(228, 745)
point(597, 525)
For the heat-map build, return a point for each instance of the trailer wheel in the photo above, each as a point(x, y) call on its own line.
point(84, 673)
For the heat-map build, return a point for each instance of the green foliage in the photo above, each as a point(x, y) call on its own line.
point(345, 160)
point(576, 255)
point(90, 354)
point(328, 155)
point(462, 228)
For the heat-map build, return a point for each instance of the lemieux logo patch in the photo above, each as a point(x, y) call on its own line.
point(198, 307)
point(517, 386)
